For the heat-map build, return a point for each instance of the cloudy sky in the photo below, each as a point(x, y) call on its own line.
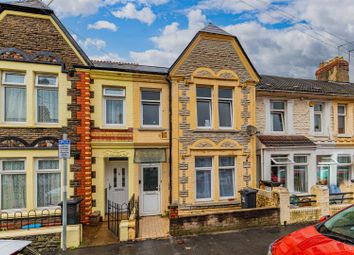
point(282, 37)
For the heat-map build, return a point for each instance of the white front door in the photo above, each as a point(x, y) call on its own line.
point(150, 189)
point(117, 181)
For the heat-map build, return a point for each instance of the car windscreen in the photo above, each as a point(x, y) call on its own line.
point(340, 226)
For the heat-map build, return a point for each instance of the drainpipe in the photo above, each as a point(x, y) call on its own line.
point(170, 132)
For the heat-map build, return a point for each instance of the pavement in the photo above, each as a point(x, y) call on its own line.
point(251, 241)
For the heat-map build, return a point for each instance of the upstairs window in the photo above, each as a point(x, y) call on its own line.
point(204, 107)
point(225, 108)
point(47, 98)
point(150, 108)
point(277, 116)
point(342, 117)
point(114, 104)
point(318, 117)
point(14, 97)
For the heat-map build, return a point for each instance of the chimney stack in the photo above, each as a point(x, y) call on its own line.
point(334, 70)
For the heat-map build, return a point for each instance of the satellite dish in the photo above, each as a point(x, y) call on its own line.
point(251, 130)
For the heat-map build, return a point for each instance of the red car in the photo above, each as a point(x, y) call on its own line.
point(332, 236)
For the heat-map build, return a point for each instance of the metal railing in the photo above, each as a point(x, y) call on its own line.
point(31, 219)
point(340, 198)
point(118, 212)
point(302, 200)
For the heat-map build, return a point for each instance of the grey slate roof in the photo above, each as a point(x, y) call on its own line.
point(30, 3)
point(131, 67)
point(212, 29)
point(285, 84)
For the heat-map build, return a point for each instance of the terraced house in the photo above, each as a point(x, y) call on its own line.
point(306, 128)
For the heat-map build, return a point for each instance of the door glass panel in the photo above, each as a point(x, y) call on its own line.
point(323, 175)
point(115, 177)
point(150, 179)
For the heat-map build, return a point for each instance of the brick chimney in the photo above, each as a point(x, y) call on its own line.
point(334, 70)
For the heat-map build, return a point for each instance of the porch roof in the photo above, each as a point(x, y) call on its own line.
point(285, 140)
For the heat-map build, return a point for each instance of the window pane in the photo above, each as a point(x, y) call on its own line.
point(151, 178)
point(341, 109)
point(344, 159)
point(323, 175)
point(114, 92)
point(278, 121)
point(15, 104)
point(151, 114)
point(13, 191)
point(300, 178)
point(318, 123)
point(47, 105)
point(48, 189)
point(225, 93)
point(226, 185)
point(278, 105)
point(341, 124)
point(203, 184)
point(14, 78)
point(47, 80)
point(300, 159)
point(203, 113)
point(48, 164)
point(114, 111)
point(225, 114)
point(13, 165)
point(278, 174)
point(318, 107)
point(150, 95)
point(203, 162)
point(203, 92)
point(343, 174)
point(226, 161)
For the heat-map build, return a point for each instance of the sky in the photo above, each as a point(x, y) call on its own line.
point(281, 37)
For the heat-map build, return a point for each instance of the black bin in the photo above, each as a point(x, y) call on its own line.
point(248, 198)
point(73, 215)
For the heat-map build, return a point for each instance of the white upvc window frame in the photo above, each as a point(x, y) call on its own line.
point(152, 102)
point(342, 115)
point(106, 97)
point(231, 105)
point(211, 178)
point(306, 164)
point(45, 171)
point(4, 85)
point(350, 164)
point(48, 87)
point(205, 99)
point(321, 114)
point(12, 172)
point(289, 161)
point(282, 111)
point(233, 177)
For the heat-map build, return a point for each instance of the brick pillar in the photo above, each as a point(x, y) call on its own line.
point(284, 204)
point(173, 211)
point(348, 187)
point(83, 146)
point(322, 198)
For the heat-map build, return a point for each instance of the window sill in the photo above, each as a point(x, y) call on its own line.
point(199, 130)
point(152, 129)
point(344, 136)
point(114, 128)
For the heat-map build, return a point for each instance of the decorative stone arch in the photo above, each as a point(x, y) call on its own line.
point(45, 142)
point(228, 143)
point(204, 143)
point(46, 56)
point(227, 74)
point(14, 54)
point(204, 72)
point(12, 142)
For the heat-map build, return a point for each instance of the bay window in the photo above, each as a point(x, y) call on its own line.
point(203, 173)
point(277, 113)
point(114, 104)
point(14, 97)
point(227, 177)
point(344, 169)
point(48, 182)
point(342, 117)
point(204, 107)
point(300, 173)
point(47, 98)
point(225, 108)
point(13, 184)
point(318, 117)
point(279, 168)
point(150, 108)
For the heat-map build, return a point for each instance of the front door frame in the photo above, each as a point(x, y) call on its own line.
point(159, 167)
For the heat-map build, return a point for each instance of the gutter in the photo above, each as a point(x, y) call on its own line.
point(170, 123)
